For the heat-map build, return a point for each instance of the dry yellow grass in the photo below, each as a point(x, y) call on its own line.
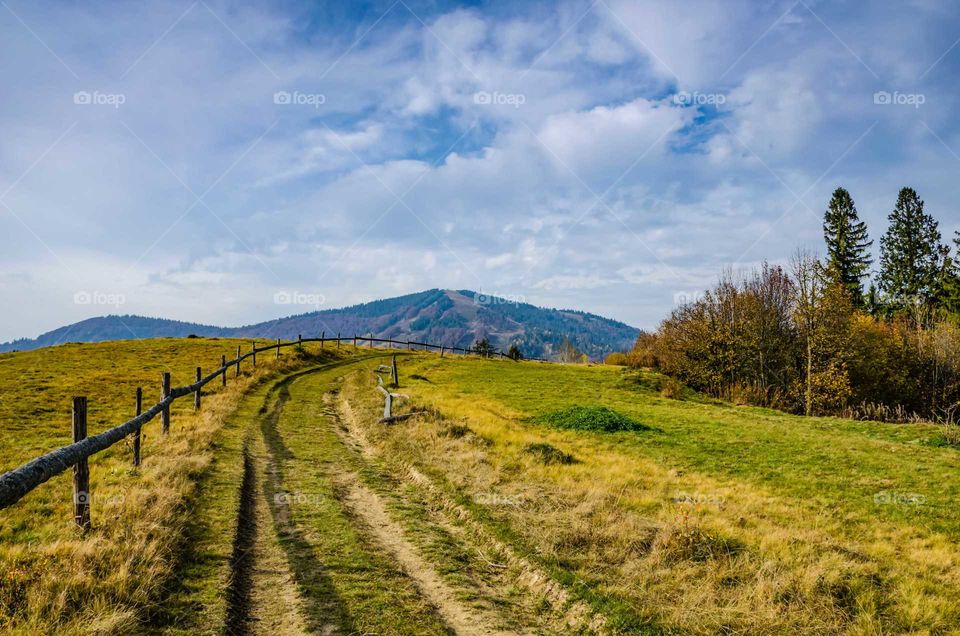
point(662, 547)
point(54, 579)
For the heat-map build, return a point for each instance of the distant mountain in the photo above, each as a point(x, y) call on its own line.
point(451, 318)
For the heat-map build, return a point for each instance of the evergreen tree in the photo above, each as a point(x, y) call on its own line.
point(848, 256)
point(949, 288)
point(911, 254)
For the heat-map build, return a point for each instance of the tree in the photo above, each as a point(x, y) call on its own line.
point(848, 255)
point(949, 284)
point(514, 353)
point(483, 348)
point(568, 352)
point(911, 254)
point(822, 311)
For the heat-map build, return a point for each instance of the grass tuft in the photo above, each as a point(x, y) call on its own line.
point(548, 454)
point(591, 418)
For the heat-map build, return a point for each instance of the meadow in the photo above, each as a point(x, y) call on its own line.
point(515, 498)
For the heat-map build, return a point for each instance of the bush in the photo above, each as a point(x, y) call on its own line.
point(672, 389)
point(548, 454)
point(616, 358)
point(591, 418)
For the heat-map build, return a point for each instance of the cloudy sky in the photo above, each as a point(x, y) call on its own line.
point(200, 160)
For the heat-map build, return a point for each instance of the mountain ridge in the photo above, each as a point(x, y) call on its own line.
point(441, 316)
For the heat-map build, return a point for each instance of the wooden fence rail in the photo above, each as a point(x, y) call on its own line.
point(15, 484)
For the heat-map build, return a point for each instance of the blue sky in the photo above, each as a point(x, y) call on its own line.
point(211, 161)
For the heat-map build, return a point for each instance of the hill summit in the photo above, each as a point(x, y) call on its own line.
point(442, 316)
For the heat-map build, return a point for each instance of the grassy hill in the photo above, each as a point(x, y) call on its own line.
point(452, 318)
point(518, 497)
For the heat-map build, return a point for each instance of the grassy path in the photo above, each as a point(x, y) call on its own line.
point(299, 531)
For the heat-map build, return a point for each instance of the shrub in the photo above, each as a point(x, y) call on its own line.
point(591, 418)
point(548, 454)
point(616, 358)
point(672, 389)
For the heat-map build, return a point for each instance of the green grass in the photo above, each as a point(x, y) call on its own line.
point(590, 418)
point(774, 521)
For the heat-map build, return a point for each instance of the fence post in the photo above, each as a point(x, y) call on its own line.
point(136, 434)
point(300, 342)
point(371, 341)
point(196, 396)
point(238, 362)
point(322, 336)
point(165, 414)
point(223, 365)
point(408, 345)
point(394, 376)
point(81, 470)
point(253, 347)
point(338, 340)
point(441, 351)
point(354, 341)
point(278, 348)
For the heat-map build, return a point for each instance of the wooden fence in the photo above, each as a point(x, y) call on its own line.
point(15, 484)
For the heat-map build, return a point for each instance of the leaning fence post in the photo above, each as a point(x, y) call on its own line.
point(136, 433)
point(81, 470)
point(278, 348)
point(196, 395)
point(223, 365)
point(441, 351)
point(165, 414)
point(254, 349)
point(238, 362)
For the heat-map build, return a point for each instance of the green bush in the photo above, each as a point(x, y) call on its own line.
point(591, 418)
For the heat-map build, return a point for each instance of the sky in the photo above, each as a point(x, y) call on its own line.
point(233, 162)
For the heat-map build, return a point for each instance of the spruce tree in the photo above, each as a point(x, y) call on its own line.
point(911, 253)
point(848, 256)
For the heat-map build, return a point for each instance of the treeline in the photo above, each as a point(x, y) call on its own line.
point(823, 336)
